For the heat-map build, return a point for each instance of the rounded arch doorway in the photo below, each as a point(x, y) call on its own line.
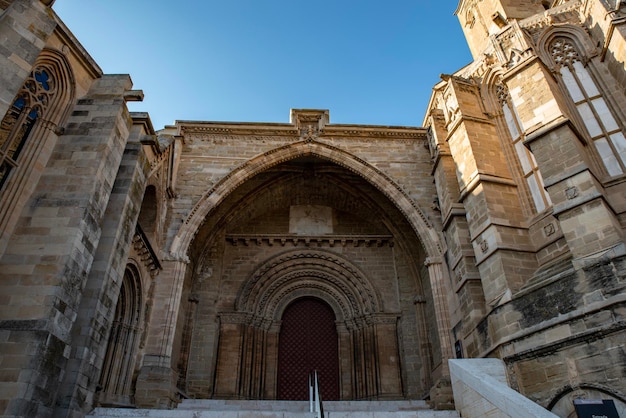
point(308, 341)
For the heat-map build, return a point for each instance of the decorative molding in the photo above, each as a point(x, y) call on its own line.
point(272, 282)
point(310, 240)
point(334, 154)
point(484, 245)
point(568, 12)
point(571, 192)
point(431, 261)
point(419, 299)
point(549, 229)
point(146, 254)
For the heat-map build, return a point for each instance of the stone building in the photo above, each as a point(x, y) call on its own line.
point(226, 260)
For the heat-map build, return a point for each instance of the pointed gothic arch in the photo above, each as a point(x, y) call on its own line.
point(429, 238)
point(238, 362)
point(118, 370)
point(30, 131)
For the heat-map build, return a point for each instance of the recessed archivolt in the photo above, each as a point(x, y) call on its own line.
point(346, 297)
point(312, 268)
point(216, 195)
point(308, 288)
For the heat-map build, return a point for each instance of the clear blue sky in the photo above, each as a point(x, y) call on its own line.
point(367, 61)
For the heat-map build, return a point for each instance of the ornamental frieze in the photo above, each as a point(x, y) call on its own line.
point(311, 241)
point(568, 12)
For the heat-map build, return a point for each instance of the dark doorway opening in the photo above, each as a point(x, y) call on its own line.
point(307, 342)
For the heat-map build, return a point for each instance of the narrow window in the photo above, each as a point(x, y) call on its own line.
point(594, 111)
point(527, 161)
point(19, 121)
point(119, 361)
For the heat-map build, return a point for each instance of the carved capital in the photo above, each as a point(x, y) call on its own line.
point(432, 261)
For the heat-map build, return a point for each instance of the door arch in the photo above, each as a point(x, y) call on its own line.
point(308, 341)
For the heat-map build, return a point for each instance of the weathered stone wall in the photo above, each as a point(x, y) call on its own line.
point(53, 248)
point(259, 225)
point(568, 259)
point(425, 240)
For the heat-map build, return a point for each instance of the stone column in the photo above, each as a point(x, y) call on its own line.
point(346, 362)
point(441, 393)
point(387, 356)
point(270, 389)
point(156, 383)
point(228, 370)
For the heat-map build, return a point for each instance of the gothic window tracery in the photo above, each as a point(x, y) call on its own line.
point(527, 161)
point(119, 361)
point(594, 111)
point(18, 123)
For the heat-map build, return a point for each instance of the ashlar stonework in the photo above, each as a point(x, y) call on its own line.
point(140, 267)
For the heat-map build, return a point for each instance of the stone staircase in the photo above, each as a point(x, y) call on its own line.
point(209, 408)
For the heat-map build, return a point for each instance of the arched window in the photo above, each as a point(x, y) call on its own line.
point(119, 362)
point(27, 108)
point(596, 116)
point(527, 161)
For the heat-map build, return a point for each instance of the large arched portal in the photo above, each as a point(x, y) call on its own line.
point(301, 229)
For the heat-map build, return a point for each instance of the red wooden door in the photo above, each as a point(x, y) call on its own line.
point(307, 342)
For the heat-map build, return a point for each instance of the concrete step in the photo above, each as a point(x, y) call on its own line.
point(205, 408)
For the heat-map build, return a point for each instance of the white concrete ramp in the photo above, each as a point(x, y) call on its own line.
point(205, 408)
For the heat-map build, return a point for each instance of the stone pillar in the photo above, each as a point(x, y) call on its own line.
point(589, 225)
point(388, 360)
point(91, 330)
point(156, 383)
point(497, 225)
point(228, 370)
point(270, 390)
point(441, 393)
point(346, 361)
point(51, 251)
point(437, 277)
point(468, 304)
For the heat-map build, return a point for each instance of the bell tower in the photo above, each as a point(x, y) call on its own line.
point(482, 18)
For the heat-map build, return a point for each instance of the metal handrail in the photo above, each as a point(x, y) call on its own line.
point(315, 399)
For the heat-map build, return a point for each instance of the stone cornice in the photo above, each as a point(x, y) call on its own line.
point(567, 12)
point(145, 251)
point(282, 130)
point(76, 48)
point(310, 240)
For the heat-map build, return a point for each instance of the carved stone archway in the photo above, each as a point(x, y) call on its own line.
point(368, 339)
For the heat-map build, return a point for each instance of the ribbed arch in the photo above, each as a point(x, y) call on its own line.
point(429, 238)
point(312, 271)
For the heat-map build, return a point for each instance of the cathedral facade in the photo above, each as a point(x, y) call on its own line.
point(210, 260)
